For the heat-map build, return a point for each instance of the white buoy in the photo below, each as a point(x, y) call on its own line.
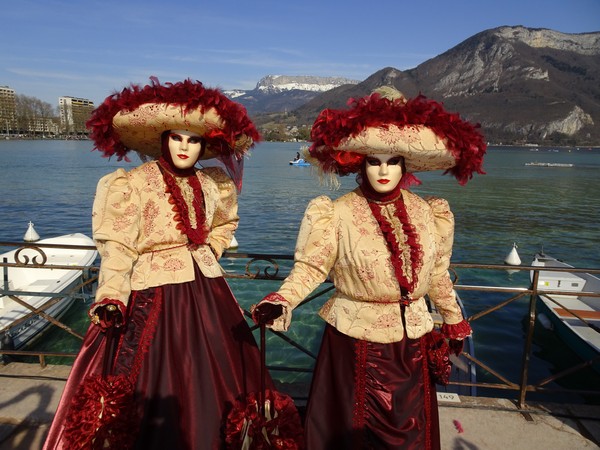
point(513, 259)
point(233, 244)
point(31, 235)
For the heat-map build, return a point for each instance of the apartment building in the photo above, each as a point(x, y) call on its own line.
point(8, 110)
point(74, 112)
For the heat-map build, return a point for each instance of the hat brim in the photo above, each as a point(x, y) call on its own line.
point(421, 130)
point(422, 149)
point(134, 119)
point(141, 128)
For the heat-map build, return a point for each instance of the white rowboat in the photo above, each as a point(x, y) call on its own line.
point(18, 323)
point(575, 318)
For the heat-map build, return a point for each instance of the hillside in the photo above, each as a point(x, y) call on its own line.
point(521, 84)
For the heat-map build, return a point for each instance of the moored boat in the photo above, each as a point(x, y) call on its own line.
point(547, 164)
point(41, 288)
point(299, 162)
point(576, 317)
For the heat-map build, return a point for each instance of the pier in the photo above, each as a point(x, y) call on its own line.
point(29, 395)
point(30, 392)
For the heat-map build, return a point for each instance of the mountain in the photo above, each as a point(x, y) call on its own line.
point(522, 85)
point(282, 93)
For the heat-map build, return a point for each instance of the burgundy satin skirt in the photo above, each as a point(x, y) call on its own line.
point(366, 395)
point(190, 354)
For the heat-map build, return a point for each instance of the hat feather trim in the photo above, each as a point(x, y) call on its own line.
point(190, 96)
point(331, 127)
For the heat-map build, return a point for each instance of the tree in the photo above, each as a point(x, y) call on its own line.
point(33, 116)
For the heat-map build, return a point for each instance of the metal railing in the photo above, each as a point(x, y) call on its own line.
point(254, 267)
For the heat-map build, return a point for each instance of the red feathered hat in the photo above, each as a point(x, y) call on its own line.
point(135, 118)
point(420, 130)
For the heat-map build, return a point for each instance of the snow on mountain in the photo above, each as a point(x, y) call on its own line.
point(276, 93)
point(274, 84)
point(234, 93)
point(280, 83)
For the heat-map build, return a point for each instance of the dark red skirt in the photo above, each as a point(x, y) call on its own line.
point(189, 353)
point(366, 395)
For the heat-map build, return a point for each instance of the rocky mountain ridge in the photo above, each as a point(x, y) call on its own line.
point(584, 43)
point(280, 93)
point(522, 85)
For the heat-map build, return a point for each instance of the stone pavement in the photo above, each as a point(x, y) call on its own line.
point(29, 395)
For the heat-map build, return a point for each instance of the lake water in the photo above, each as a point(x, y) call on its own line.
point(52, 184)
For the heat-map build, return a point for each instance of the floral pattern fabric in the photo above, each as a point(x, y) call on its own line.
point(135, 229)
point(342, 239)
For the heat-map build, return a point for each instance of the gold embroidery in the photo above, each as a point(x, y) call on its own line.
point(188, 196)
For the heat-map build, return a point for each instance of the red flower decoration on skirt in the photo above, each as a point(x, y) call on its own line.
point(279, 427)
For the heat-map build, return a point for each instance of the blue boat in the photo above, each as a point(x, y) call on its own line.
point(299, 162)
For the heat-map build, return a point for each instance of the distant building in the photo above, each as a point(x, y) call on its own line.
point(74, 113)
point(43, 126)
point(8, 110)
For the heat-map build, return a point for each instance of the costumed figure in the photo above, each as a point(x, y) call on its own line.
point(168, 352)
point(385, 248)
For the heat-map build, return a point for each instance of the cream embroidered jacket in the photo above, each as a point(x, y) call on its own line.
point(134, 228)
point(342, 239)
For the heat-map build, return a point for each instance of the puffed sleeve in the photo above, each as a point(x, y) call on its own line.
point(316, 250)
point(441, 290)
point(225, 220)
point(115, 224)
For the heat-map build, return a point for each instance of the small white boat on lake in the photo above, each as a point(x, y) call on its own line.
point(20, 324)
point(575, 318)
point(299, 162)
point(547, 164)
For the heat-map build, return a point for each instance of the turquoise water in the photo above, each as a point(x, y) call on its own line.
point(52, 183)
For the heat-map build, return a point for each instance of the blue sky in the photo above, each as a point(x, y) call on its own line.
point(89, 48)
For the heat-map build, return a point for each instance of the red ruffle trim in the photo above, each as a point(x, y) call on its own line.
point(136, 342)
point(199, 234)
point(101, 415)
point(359, 409)
point(463, 139)
point(408, 229)
point(438, 357)
point(246, 424)
point(460, 330)
point(190, 95)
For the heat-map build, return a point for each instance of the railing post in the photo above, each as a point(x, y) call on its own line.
point(5, 272)
point(528, 341)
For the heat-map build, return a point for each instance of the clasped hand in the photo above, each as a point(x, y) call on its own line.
point(108, 316)
point(266, 313)
point(456, 346)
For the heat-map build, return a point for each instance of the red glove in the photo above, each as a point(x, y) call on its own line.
point(455, 334)
point(456, 346)
point(266, 313)
point(108, 316)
